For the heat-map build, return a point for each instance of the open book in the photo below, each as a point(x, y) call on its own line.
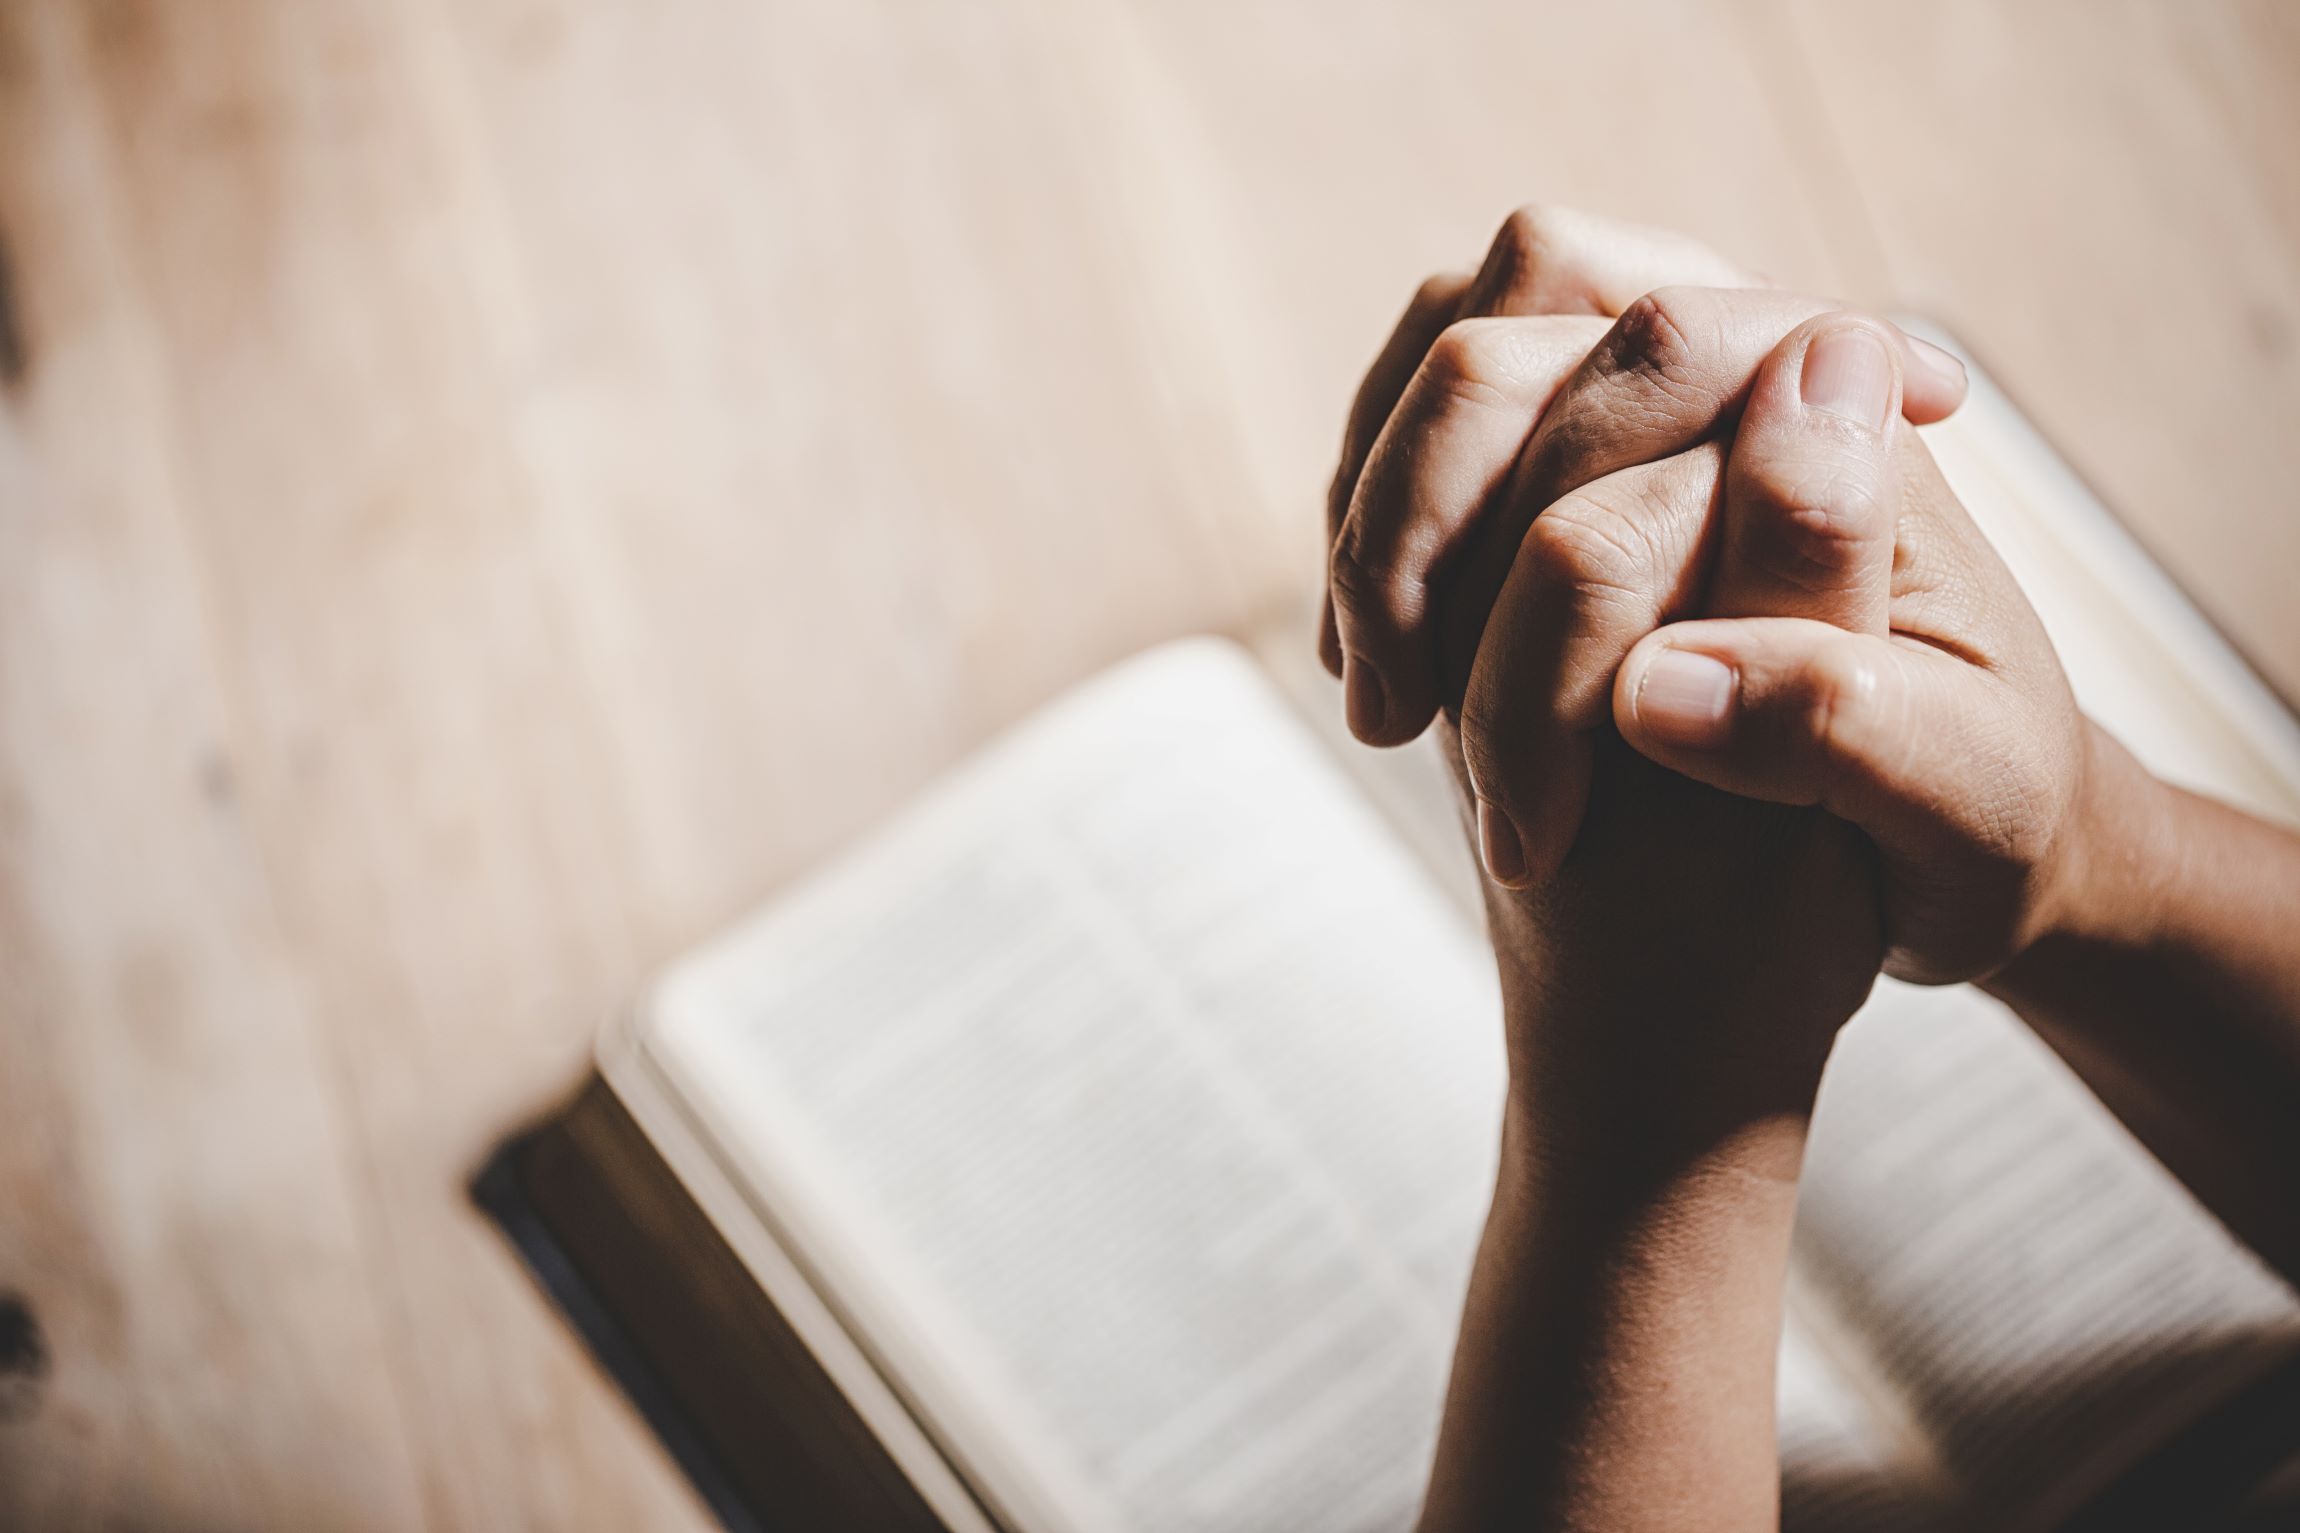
point(1101, 1147)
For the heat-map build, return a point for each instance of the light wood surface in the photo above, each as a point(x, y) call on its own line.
point(488, 490)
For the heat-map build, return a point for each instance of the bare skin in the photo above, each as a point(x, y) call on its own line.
point(1741, 721)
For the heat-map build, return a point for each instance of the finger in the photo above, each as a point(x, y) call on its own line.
point(1798, 711)
point(1433, 307)
point(1547, 260)
point(1598, 571)
point(1447, 450)
point(1542, 260)
point(1678, 361)
point(1672, 368)
point(1812, 485)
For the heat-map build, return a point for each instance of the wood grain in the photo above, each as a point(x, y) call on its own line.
point(489, 490)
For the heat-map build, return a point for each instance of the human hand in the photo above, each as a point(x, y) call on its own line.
point(1673, 978)
point(1447, 462)
point(1912, 693)
point(1441, 470)
point(1441, 474)
point(1542, 261)
point(1770, 707)
point(1926, 707)
point(1697, 947)
point(2016, 843)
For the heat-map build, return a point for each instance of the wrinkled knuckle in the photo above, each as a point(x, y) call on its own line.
point(1482, 753)
point(1838, 708)
point(1653, 336)
point(1373, 591)
point(1583, 545)
point(1815, 523)
point(1472, 361)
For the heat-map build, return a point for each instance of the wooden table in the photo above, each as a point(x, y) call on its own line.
point(489, 490)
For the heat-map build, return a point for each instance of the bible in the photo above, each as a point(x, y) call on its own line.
point(1100, 1147)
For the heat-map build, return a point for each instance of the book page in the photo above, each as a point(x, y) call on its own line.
point(1137, 1101)
point(2049, 1301)
point(1842, 1470)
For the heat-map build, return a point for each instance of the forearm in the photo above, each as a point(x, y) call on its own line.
point(1616, 1361)
point(2170, 980)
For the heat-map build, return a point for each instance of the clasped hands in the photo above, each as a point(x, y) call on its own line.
point(1745, 710)
point(1745, 707)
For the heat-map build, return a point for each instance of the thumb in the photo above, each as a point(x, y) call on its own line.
point(1812, 489)
point(1795, 711)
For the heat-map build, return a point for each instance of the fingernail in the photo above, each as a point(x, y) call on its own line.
point(1940, 359)
point(1362, 695)
point(1329, 640)
point(1686, 699)
point(1498, 846)
point(1848, 375)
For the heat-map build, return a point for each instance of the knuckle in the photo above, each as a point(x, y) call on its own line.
point(1483, 755)
point(1537, 264)
point(1813, 523)
point(1436, 291)
point(1654, 336)
point(1374, 591)
point(1587, 546)
point(1524, 238)
point(1837, 704)
point(1473, 360)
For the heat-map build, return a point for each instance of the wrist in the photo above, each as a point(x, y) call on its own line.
point(1632, 1212)
point(2114, 859)
point(1605, 1119)
point(1718, 1024)
point(1617, 1343)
